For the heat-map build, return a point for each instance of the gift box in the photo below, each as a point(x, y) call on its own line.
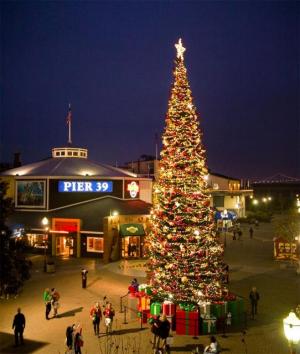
point(205, 308)
point(208, 325)
point(144, 303)
point(155, 308)
point(169, 308)
point(219, 310)
point(145, 315)
point(187, 322)
point(172, 321)
point(131, 289)
point(236, 308)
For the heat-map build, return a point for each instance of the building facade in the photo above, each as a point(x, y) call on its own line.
point(71, 206)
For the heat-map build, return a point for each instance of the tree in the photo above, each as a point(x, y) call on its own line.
point(185, 255)
point(13, 266)
point(288, 225)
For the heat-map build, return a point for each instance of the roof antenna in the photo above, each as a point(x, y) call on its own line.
point(69, 123)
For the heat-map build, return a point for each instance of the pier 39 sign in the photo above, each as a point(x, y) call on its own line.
point(85, 186)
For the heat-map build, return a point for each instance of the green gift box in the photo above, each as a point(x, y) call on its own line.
point(155, 308)
point(209, 325)
point(219, 310)
point(236, 308)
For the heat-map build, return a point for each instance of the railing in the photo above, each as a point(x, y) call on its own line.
point(121, 301)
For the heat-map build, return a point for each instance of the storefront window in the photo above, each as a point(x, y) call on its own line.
point(94, 244)
point(37, 240)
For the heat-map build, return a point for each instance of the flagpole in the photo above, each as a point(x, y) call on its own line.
point(70, 126)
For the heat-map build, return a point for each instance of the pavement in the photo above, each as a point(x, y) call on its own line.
point(250, 262)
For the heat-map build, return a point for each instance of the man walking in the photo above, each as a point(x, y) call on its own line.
point(251, 232)
point(19, 325)
point(254, 297)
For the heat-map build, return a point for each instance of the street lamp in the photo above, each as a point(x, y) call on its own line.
point(224, 216)
point(45, 223)
point(291, 326)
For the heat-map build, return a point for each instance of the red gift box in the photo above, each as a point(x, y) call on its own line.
point(187, 322)
point(145, 315)
point(169, 309)
point(132, 289)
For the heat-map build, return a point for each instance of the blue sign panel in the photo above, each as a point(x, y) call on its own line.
point(85, 186)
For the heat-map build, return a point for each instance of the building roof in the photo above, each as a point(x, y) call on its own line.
point(68, 167)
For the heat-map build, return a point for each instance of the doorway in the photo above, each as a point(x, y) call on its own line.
point(64, 246)
point(131, 247)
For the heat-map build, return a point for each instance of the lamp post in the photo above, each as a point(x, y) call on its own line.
point(291, 326)
point(45, 223)
point(224, 216)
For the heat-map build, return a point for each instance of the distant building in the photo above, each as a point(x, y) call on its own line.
point(227, 193)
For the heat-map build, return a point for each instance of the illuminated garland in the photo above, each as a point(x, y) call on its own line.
point(186, 260)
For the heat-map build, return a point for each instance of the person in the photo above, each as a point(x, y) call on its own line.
point(234, 232)
point(254, 297)
point(84, 277)
point(47, 299)
point(251, 232)
point(163, 330)
point(78, 341)
point(135, 284)
point(155, 330)
point(226, 273)
point(109, 314)
point(213, 346)
point(54, 301)
point(129, 250)
point(69, 337)
point(19, 326)
point(96, 316)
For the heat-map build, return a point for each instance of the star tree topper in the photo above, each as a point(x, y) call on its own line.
point(180, 49)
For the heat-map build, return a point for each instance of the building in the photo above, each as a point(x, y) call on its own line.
point(91, 209)
point(227, 193)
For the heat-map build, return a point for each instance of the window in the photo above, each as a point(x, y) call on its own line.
point(69, 153)
point(62, 153)
point(94, 244)
point(75, 153)
point(58, 153)
point(218, 201)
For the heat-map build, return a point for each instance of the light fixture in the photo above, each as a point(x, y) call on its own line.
point(45, 221)
point(264, 200)
point(270, 198)
point(255, 201)
point(291, 327)
point(115, 213)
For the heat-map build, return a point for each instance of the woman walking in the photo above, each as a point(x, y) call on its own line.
point(96, 316)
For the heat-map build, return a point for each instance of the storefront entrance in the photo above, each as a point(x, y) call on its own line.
point(131, 247)
point(64, 246)
point(132, 240)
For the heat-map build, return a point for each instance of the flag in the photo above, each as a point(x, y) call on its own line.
point(69, 115)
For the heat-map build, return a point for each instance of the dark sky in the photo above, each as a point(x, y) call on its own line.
point(113, 61)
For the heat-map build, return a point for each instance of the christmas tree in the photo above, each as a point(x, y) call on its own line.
point(186, 259)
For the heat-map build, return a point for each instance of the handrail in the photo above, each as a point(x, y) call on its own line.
point(121, 301)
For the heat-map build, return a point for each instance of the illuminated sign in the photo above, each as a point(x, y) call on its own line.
point(133, 189)
point(85, 186)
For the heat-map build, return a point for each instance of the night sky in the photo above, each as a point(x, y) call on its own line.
point(113, 61)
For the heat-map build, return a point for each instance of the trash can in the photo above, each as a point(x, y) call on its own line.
point(50, 267)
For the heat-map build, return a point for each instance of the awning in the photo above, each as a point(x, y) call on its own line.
point(132, 230)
